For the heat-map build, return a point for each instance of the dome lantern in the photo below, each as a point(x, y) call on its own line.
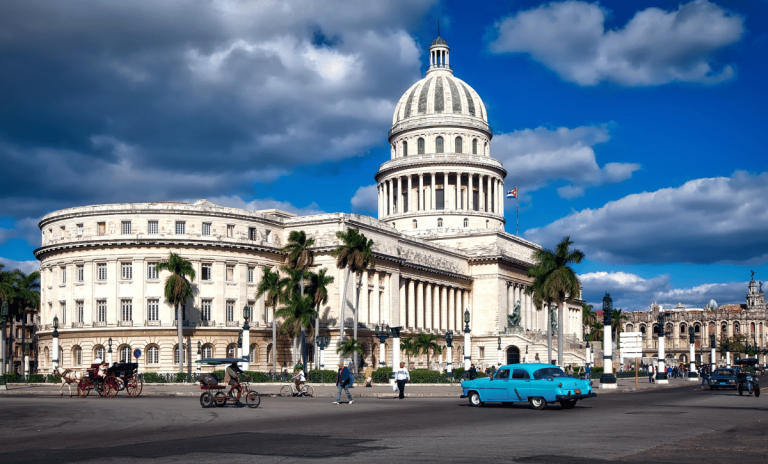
point(439, 54)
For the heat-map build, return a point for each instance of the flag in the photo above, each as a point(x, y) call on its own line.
point(512, 193)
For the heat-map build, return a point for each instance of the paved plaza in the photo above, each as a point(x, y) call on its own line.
point(679, 423)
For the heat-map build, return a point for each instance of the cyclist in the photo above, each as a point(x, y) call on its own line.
point(232, 372)
point(298, 379)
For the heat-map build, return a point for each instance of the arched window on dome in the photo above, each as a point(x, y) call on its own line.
point(474, 146)
point(394, 151)
point(485, 149)
point(487, 224)
point(466, 222)
point(439, 222)
point(439, 145)
point(415, 224)
point(405, 148)
point(421, 147)
point(459, 148)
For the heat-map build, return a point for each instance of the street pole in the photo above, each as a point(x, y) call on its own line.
point(109, 353)
point(382, 333)
point(246, 338)
point(55, 354)
point(498, 357)
point(693, 376)
point(467, 342)
point(199, 357)
point(607, 380)
point(449, 347)
point(635, 372)
point(712, 359)
point(395, 347)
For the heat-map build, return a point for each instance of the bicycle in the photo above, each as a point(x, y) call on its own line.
point(290, 390)
point(252, 398)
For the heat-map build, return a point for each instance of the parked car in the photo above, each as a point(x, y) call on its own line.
point(538, 384)
point(723, 378)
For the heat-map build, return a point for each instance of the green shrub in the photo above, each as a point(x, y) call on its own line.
point(152, 377)
point(382, 374)
point(254, 376)
point(458, 373)
point(12, 377)
point(36, 378)
point(322, 376)
point(55, 378)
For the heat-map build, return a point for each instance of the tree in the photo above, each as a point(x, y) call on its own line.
point(350, 347)
point(271, 287)
point(559, 282)
point(299, 257)
point(617, 317)
point(178, 289)
point(587, 317)
point(541, 298)
point(298, 313)
point(596, 331)
point(408, 345)
point(426, 342)
point(22, 293)
point(353, 254)
point(318, 288)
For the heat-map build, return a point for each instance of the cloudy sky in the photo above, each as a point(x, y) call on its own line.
point(637, 128)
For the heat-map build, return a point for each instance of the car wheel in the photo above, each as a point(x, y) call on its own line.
point(757, 390)
point(568, 404)
point(474, 399)
point(711, 387)
point(741, 390)
point(538, 402)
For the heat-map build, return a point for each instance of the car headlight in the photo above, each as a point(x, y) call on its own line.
point(560, 385)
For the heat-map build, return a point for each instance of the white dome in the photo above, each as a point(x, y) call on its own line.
point(440, 92)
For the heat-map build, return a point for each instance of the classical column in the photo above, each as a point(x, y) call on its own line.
point(470, 193)
point(451, 308)
point(400, 199)
point(389, 196)
point(410, 193)
point(436, 306)
point(420, 305)
point(364, 309)
point(457, 197)
point(421, 193)
point(428, 306)
point(432, 195)
point(443, 308)
point(411, 304)
point(480, 198)
point(445, 190)
point(376, 310)
point(403, 307)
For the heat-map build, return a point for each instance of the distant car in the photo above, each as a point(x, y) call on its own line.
point(723, 378)
point(538, 384)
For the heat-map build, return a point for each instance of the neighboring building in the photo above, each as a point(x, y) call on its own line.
point(440, 250)
point(748, 319)
point(16, 336)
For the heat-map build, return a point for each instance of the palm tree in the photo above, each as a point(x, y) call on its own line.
point(587, 316)
point(617, 317)
point(27, 297)
point(298, 313)
point(350, 347)
point(425, 342)
point(408, 345)
point(560, 282)
point(355, 254)
point(596, 331)
point(541, 299)
point(318, 288)
point(178, 289)
point(271, 287)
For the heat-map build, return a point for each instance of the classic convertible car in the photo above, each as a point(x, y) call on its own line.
point(538, 384)
point(723, 378)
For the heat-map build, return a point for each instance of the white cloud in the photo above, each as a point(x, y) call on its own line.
point(535, 158)
point(25, 229)
point(26, 267)
point(265, 203)
point(655, 47)
point(366, 199)
point(705, 221)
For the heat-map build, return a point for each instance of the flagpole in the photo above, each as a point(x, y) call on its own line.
point(518, 216)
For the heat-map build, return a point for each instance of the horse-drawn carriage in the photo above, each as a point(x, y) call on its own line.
point(108, 381)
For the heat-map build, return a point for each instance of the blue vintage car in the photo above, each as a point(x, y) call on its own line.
point(538, 384)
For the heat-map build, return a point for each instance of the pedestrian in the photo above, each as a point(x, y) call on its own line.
point(588, 371)
point(472, 372)
point(343, 380)
point(704, 372)
point(368, 376)
point(402, 376)
point(650, 373)
point(537, 358)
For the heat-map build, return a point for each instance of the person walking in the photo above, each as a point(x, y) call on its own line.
point(650, 373)
point(368, 375)
point(343, 380)
point(402, 376)
point(472, 372)
point(588, 372)
point(704, 372)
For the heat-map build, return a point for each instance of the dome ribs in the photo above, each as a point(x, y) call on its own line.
point(423, 97)
point(439, 97)
point(407, 112)
point(455, 96)
point(470, 101)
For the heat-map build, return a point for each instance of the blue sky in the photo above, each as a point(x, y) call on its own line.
point(637, 128)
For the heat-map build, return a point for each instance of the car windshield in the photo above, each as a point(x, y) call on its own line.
point(502, 374)
point(724, 372)
point(548, 372)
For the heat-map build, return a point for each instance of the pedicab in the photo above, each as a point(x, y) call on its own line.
point(747, 377)
point(214, 392)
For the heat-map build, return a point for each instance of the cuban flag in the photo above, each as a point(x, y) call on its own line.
point(512, 193)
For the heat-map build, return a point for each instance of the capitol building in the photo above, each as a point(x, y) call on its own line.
point(439, 245)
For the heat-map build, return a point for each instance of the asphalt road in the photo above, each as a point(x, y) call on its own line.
point(676, 425)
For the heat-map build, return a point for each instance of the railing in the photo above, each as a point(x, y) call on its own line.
point(184, 324)
point(77, 325)
point(208, 323)
point(233, 323)
point(152, 323)
point(100, 323)
point(125, 323)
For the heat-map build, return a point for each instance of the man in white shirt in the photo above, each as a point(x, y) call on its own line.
point(402, 377)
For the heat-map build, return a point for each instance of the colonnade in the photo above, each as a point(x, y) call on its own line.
point(374, 298)
point(395, 193)
point(431, 306)
point(529, 318)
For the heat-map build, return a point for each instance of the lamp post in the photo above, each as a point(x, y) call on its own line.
point(55, 355)
point(712, 354)
point(467, 342)
point(239, 353)
point(661, 372)
point(607, 380)
point(693, 375)
point(322, 342)
point(499, 352)
point(246, 338)
point(449, 347)
point(382, 333)
point(395, 346)
point(727, 352)
point(199, 356)
point(589, 352)
point(109, 353)
point(525, 358)
point(3, 318)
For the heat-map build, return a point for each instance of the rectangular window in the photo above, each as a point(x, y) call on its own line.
point(63, 307)
point(230, 230)
point(183, 313)
point(63, 275)
point(79, 230)
point(126, 310)
point(230, 310)
point(206, 311)
point(206, 273)
point(101, 227)
point(80, 310)
point(153, 310)
point(181, 227)
point(475, 200)
point(101, 309)
point(252, 234)
point(405, 202)
point(101, 271)
point(268, 236)
point(206, 228)
point(152, 227)
point(126, 271)
point(230, 272)
point(439, 199)
point(251, 271)
point(481, 351)
point(152, 271)
point(80, 271)
point(63, 231)
point(125, 227)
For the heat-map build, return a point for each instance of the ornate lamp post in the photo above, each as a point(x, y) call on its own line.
point(661, 373)
point(499, 352)
point(55, 354)
point(727, 352)
point(467, 342)
point(246, 338)
point(322, 342)
point(712, 355)
point(588, 355)
point(449, 347)
point(109, 353)
point(199, 356)
point(607, 380)
point(382, 333)
point(693, 375)
point(239, 353)
point(395, 346)
point(3, 319)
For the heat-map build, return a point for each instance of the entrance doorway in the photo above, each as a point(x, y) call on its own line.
point(513, 355)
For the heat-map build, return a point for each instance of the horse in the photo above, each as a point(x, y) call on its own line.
point(68, 377)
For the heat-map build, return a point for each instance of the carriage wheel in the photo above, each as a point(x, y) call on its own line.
point(253, 400)
point(206, 400)
point(307, 390)
point(220, 399)
point(110, 386)
point(757, 390)
point(285, 390)
point(99, 387)
point(134, 386)
point(83, 389)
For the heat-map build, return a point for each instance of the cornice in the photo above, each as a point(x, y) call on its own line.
point(435, 160)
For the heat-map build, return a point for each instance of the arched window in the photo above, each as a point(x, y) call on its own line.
point(421, 145)
point(459, 145)
point(125, 354)
point(485, 149)
point(98, 352)
point(439, 145)
point(474, 146)
point(415, 224)
point(487, 224)
point(405, 148)
point(176, 355)
point(77, 356)
point(231, 350)
point(642, 329)
point(46, 356)
point(439, 222)
point(697, 329)
point(270, 361)
point(207, 352)
point(466, 222)
point(153, 355)
point(736, 328)
point(253, 353)
point(630, 328)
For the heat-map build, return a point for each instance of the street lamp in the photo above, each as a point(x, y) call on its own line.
point(661, 373)
point(322, 342)
point(607, 380)
point(499, 352)
point(712, 354)
point(109, 342)
point(467, 342)
point(246, 338)
point(449, 346)
point(692, 374)
point(55, 343)
point(199, 356)
point(3, 318)
point(382, 333)
point(395, 346)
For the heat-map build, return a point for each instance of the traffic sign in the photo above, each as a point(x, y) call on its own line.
point(136, 353)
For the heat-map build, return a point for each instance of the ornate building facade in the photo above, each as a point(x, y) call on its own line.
point(439, 244)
